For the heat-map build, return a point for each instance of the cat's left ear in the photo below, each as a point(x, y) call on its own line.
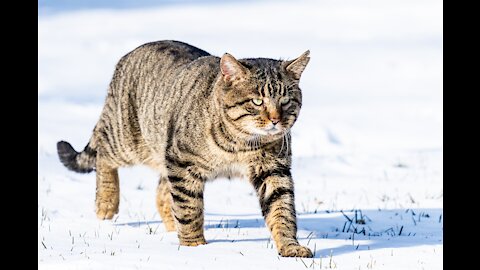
point(297, 66)
point(231, 69)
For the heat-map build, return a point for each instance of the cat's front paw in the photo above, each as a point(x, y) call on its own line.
point(106, 210)
point(295, 251)
point(193, 242)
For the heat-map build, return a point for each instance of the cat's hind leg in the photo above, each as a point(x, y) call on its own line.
point(108, 190)
point(164, 204)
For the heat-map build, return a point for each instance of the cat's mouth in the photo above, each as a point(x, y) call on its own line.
point(269, 131)
point(273, 130)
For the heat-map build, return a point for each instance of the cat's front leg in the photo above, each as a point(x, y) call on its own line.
point(274, 188)
point(187, 208)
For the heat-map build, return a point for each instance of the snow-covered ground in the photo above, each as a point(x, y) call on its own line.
point(368, 141)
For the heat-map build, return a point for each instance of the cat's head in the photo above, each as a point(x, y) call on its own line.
point(261, 96)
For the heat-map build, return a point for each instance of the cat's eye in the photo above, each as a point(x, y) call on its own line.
point(257, 101)
point(284, 100)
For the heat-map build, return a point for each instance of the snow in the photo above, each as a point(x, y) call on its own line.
point(368, 140)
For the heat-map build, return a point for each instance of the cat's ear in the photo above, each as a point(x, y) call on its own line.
point(297, 66)
point(231, 69)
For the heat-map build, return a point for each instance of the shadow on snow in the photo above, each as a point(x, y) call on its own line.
point(375, 229)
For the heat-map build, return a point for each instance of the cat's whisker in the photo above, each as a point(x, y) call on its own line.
point(283, 141)
point(287, 135)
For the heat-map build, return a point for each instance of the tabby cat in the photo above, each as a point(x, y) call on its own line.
point(194, 117)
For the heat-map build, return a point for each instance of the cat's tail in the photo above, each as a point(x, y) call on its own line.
point(83, 162)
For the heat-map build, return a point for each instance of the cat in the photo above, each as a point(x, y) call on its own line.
point(194, 117)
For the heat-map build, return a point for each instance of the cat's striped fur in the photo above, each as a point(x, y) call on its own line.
point(194, 117)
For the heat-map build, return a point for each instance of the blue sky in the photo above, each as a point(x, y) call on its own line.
point(46, 7)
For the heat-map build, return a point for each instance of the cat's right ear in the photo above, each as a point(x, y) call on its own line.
point(232, 70)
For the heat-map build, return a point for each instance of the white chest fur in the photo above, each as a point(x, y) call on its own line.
point(233, 170)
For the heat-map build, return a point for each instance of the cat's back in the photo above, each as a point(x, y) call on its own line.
point(153, 65)
point(159, 60)
point(147, 73)
point(165, 52)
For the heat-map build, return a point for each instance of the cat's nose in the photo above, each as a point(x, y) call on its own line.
point(274, 116)
point(275, 120)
